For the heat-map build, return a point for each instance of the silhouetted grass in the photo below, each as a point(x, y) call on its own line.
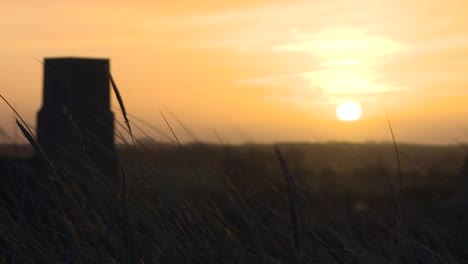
point(174, 225)
point(253, 201)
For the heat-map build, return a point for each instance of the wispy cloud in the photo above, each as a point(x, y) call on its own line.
point(212, 54)
point(358, 48)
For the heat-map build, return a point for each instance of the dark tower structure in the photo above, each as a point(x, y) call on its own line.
point(75, 124)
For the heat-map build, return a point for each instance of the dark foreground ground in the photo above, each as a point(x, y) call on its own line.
point(309, 203)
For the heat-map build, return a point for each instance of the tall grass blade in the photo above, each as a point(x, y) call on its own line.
point(192, 163)
point(291, 183)
point(170, 128)
point(126, 235)
point(187, 130)
point(124, 196)
point(78, 136)
point(122, 106)
point(400, 175)
point(19, 116)
point(397, 196)
point(41, 154)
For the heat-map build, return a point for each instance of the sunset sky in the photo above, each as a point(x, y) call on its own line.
point(256, 70)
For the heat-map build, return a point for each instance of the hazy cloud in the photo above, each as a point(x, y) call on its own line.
point(209, 57)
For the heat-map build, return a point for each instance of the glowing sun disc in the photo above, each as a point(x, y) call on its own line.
point(348, 111)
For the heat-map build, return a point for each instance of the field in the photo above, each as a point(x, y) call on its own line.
point(202, 203)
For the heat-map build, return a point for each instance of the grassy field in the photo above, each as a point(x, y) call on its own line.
point(199, 203)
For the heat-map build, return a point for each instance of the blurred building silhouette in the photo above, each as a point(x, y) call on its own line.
point(75, 126)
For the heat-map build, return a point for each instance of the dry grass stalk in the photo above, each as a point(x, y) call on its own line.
point(124, 196)
point(78, 136)
point(122, 106)
point(397, 197)
point(192, 163)
point(41, 154)
point(292, 198)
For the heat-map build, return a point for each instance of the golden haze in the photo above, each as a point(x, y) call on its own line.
point(257, 70)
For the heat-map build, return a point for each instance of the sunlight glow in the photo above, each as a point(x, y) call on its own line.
point(348, 111)
point(349, 60)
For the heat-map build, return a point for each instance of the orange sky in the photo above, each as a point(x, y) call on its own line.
point(257, 70)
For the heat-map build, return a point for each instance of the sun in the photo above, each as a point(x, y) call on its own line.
point(348, 111)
